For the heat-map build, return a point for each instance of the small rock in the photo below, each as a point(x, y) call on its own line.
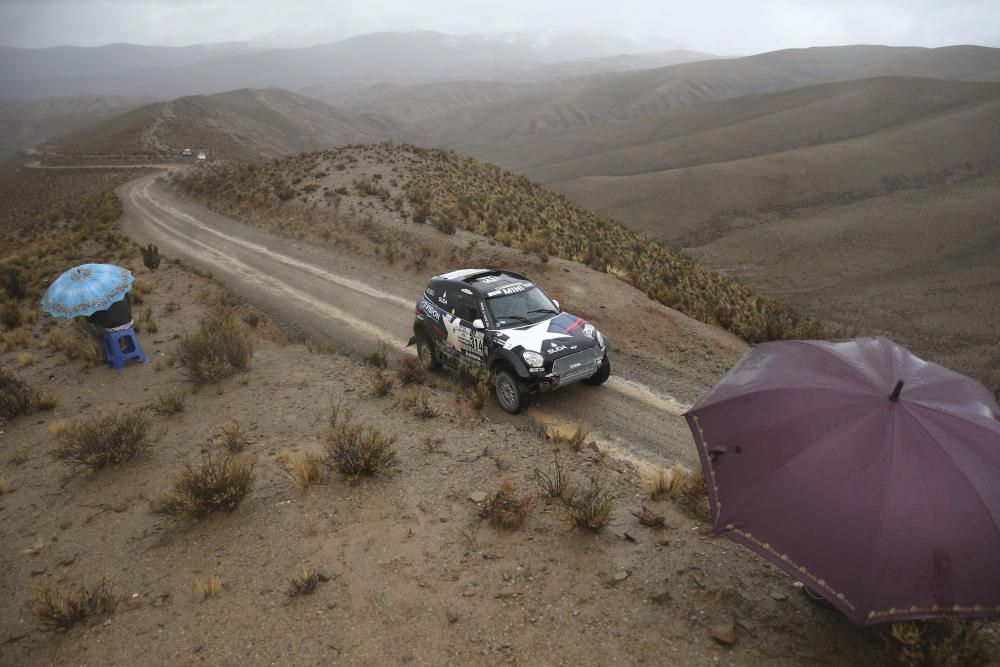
point(662, 598)
point(322, 575)
point(35, 572)
point(746, 624)
point(621, 575)
point(478, 496)
point(107, 622)
point(628, 537)
point(66, 525)
point(451, 616)
point(779, 596)
point(723, 633)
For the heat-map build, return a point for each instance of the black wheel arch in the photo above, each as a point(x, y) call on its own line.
point(507, 358)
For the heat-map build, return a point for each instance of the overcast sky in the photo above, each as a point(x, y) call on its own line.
point(717, 26)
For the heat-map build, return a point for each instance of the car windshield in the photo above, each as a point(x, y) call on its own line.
point(525, 307)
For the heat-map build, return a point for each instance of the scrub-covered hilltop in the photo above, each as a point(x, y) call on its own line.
point(430, 186)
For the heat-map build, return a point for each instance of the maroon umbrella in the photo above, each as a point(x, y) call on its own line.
point(866, 473)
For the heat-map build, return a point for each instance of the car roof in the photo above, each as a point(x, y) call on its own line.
point(485, 282)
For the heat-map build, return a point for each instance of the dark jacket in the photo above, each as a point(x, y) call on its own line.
point(115, 315)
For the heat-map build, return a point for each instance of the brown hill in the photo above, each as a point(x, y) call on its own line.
point(738, 128)
point(25, 123)
point(689, 206)
point(245, 124)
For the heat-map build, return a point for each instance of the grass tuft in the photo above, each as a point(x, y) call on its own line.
point(209, 587)
point(589, 509)
point(64, 606)
point(170, 402)
point(305, 583)
point(506, 508)
point(305, 469)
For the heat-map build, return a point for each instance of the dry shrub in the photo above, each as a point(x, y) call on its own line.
point(676, 482)
point(506, 508)
point(220, 482)
point(150, 256)
point(3, 485)
point(170, 402)
point(410, 371)
point(478, 384)
point(589, 509)
point(305, 469)
point(140, 289)
point(77, 344)
point(220, 347)
point(64, 606)
point(937, 643)
point(304, 583)
point(573, 438)
point(209, 587)
point(104, 439)
point(557, 485)
point(379, 357)
point(25, 359)
point(423, 407)
point(354, 449)
point(233, 437)
point(144, 321)
point(10, 314)
point(380, 383)
point(17, 397)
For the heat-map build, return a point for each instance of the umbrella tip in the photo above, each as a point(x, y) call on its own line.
point(894, 396)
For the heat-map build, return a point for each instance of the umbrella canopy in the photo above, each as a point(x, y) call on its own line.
point(868, 474)
point(86, 289)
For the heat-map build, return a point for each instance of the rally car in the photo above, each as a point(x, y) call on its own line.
point(509, 324)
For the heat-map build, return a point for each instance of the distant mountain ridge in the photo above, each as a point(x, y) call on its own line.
point(168, 72)
point(243, 124)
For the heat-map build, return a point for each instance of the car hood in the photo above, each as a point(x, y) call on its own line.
point(552, 338)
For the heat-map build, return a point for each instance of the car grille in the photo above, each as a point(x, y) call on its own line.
point(578, 365)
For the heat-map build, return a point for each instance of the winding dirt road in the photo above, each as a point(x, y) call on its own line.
point(310, 291)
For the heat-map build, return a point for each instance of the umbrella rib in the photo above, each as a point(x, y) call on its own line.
point(854, 370)
point(920, 404)
point(881, 519)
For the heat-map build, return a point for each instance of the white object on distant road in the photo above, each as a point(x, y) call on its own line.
point(186, 151)
point(202, 156)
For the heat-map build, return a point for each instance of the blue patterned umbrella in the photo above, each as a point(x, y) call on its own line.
point(86, 289)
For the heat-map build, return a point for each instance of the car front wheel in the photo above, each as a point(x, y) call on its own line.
point(602, 374)
point(511, 392)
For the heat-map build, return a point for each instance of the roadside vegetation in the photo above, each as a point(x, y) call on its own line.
point(454, 192)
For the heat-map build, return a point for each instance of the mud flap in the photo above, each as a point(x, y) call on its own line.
point(412, 341)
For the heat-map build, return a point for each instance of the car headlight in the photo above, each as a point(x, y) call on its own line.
point(533, 359)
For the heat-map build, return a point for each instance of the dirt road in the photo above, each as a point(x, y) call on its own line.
point(313, 293)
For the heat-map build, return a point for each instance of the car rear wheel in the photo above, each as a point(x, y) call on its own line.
point(425, 351)
point(511, 393)
point(602, 374)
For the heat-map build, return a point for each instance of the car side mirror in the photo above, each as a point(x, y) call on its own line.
point(478, 324)
point(557, 305)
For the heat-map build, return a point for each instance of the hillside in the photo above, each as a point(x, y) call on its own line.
point(24, 124)
point(244, 124)
point(622, 96)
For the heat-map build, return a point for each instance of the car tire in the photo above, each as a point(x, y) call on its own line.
point(512, 394)
point(426, 353)
point(602, 374)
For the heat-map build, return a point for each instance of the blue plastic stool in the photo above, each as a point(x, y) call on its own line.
point(121, 346)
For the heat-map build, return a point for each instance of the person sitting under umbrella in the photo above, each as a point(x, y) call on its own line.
point(116, 317)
